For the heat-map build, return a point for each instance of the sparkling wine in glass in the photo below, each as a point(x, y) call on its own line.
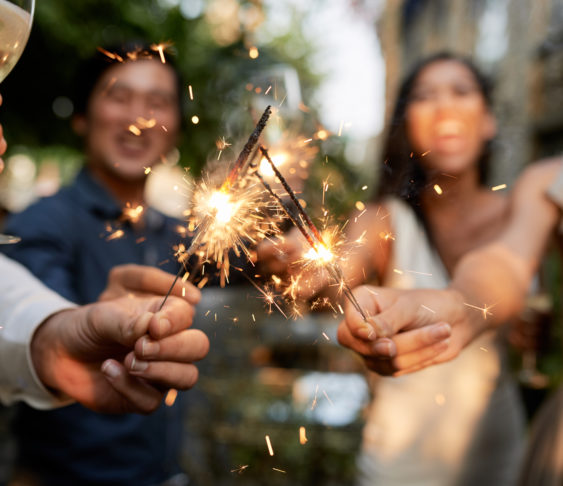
point(16, 17)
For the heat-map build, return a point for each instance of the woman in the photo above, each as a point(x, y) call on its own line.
point(460, 422)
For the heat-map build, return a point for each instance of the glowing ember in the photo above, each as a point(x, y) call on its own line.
point(302, 435)
point(170, 397)
point(115, 235)
point(160, 48)
point(438, 189)
point(135, 130)
point(270, 448)
point(499, 187)
point(132, 214)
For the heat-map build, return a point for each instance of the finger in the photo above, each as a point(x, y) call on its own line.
point(420, 356)
point(381, 348)
point(412, 341)
point(151, 280)
point(135, 395)
point(367, 299)
point(181, 376)
point(185, 346)
point(176, 315)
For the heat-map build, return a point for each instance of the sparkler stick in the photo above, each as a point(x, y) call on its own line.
point(224, 188)
point(309, 230)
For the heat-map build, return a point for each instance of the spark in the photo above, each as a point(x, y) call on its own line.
point(279, 470)
point(420, 273)
point(144, 123)
point(396, 270)
point(360, 206)
point(148, 170)
point(327, 397)
point(240, 469)
point(499, 187)
point(115, 235)
point(428, 309)
point(253, 52)
point(132, 214)
point(364, 188)
point(171, 397)
point(190, 92)
point(270, 448)
point(438, 189)
point(302, 435)
point(483, 349)
point(135, 130)
point(425, 153)
point(160, 48)
point(314, 404)
point(268, 90)
point(195, 119)
point(325, 336)
point(484, 310)
point(111, 55)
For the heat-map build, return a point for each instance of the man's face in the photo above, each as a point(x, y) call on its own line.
point(132, 119)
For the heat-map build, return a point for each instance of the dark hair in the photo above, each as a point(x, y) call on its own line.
point(402, 173)
point(92, 69)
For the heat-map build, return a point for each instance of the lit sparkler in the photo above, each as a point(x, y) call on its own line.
point(320, 252)
point(228, 215)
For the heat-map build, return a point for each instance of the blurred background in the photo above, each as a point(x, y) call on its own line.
point(334, 66)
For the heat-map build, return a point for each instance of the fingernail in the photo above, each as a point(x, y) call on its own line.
point(138, 365)
point(149, 347)
point(109, 368)
point(367, 332)
point(382, 348)
point(441, 332)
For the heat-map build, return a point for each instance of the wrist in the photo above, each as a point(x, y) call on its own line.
point(45, 350)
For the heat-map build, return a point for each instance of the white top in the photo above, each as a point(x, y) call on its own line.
point(448, 424)
point(24, 304)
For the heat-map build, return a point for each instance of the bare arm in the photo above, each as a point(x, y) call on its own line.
point(488, 287)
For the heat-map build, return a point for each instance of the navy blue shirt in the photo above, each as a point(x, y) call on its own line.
point(69, 242)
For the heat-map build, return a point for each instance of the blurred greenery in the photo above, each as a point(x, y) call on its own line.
point(211, 48)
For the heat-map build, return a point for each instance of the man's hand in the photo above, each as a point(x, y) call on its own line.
point(407, 329)
point(119, 356)
point(142, 281)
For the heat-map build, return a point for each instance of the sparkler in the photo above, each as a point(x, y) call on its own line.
point(221, 227)
point(320, 251)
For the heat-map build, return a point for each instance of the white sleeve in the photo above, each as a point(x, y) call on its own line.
point(24, 304)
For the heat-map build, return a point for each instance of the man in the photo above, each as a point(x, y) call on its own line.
point(52, 352)
point(128, 114)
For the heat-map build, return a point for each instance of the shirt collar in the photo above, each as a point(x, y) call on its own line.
point(100, 201)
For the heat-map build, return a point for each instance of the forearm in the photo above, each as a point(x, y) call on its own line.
point(24, 305)
point(492, 283)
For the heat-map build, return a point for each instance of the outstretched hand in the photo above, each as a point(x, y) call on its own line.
point(407, 329)
point(121, 355)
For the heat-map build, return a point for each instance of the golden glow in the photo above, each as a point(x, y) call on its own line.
point(253, 52)
point(195, 119)
point(278, 159)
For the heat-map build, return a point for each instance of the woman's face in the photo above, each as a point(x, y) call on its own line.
point(447, 118)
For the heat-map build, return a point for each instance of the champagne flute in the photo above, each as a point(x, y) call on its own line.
point(16, 17)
